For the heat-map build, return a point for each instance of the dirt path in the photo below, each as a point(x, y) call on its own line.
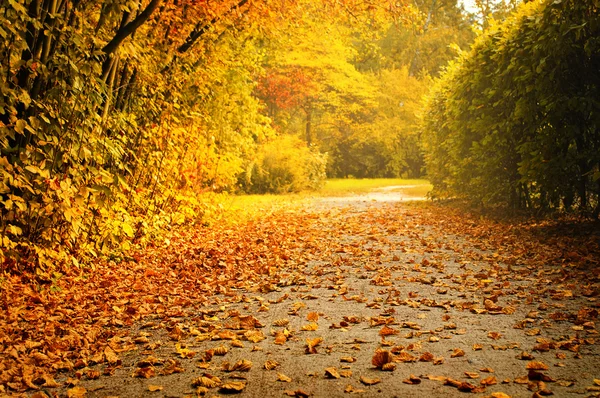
point(375, 298)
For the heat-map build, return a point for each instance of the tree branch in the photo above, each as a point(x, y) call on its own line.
point(199, 30)
point(131, 27)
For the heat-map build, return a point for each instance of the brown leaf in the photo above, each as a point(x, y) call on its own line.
point(153, 388)
point(281, 322)
point(145, 372)
point(536, 365)
point(426, 357)
point(207, 380)
point(76, 392)
point(472, 375)
point(284, 378)
point(389, 367)
point(271, 364)
point(369, 381)
point(331, 373)
point(388, 331)
point(232, 387)
point(348, 359)
point(312, 317)
point(311, 345)
point(489, 381)
point(243, 365)
point(381, 357)
point(412, 379)
point(457, 353)
point(311, 327)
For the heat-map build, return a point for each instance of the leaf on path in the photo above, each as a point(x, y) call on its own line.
point(331, 373)
point(271, 364)
point(171, 367)
point(207, 380)
point(232, 387)
point(477, 347)
point(298, 393)
point(243, 365)
point(525, 356)
point(381, 358)
point(284, 378)
point(183, 352)
point(254, 336)
point(220, 350)
point(388, 331)
point(489, 381)
point(500, 395)
point(311, 327)
point(457, 352)
point(111, 356)
point(280, 338)
point(346, 373)
point(494, 335)
point(536, 365)
point(472, 375)
point(412, 379)
point(281, 322)
point(348, 359)
point(405, 357)
point(312, 317)
point(369, 381)
point(311, 345)
point(350, 389)
point(76, 392)
point(154, 388)
point(426, 357)
point(144, 372)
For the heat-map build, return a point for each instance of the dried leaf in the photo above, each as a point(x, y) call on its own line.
point(284, 378)
point(331, 373)
point(232, 387)
point(412, 379)
point(457, 353)
point(381, 357)
point(76, 392)
point(311, 327)
point(369, 381)
point(153, 388)
point(312, 317)
point(271, 364)
point(536, 365)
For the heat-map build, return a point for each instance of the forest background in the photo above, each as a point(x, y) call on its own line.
point(121, 119)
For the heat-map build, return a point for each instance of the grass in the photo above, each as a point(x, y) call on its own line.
point(344, 187)
point(250, 206)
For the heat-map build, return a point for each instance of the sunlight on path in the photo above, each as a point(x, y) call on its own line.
point(395, 193)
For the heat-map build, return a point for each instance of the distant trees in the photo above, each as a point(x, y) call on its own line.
point(515, 121)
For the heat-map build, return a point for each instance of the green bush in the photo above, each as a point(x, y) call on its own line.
point(284, 165)
point(515, 121)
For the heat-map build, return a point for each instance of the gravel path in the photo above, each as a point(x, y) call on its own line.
point(447, 315)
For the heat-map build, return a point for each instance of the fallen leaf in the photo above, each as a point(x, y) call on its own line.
point(537, 365)
point(76, 392)
point(457, 352)
point(284, 378)
point(381, 358)
point(153, 388)
point(412, 379)
point(331, 373)
point(311, 327)
point(271, 364)
point(312, 317)
point(232, 387)
point(369, 381)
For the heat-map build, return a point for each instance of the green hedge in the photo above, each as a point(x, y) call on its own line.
point(514, 122)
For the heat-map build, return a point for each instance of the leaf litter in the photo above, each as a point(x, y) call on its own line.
point(398, 284)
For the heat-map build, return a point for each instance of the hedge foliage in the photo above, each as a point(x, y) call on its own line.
point(515, 121)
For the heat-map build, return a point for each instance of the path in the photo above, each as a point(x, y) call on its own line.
point(452, 306)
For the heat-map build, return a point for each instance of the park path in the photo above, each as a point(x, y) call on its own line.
point(337, 297)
